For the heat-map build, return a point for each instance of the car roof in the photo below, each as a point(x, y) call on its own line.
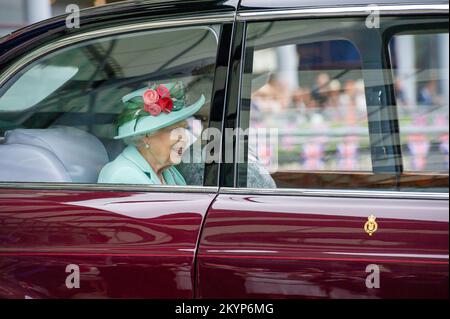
point(158, 7)
point(262, 4)
point(271, 3)
point(141, 9)
point(131, 10)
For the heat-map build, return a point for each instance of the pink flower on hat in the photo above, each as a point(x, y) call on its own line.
point(154, 109)
point(150, 97)
point(163, 91)
point(157, 100)
point(166, 104)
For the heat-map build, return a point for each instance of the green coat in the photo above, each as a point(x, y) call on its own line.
point(130, 167)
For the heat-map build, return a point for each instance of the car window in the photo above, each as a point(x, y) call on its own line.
point(313, 94)
point(318, 110)
point(61, 116)
point(42, 80)
point(421, 73)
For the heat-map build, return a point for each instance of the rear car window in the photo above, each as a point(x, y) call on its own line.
point(333, 91)
point(421, 78)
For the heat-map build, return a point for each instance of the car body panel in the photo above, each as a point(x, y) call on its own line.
point(269, 246)
point(143, 243)
point(126, 244)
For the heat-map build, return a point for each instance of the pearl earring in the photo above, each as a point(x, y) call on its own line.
point(147, 146)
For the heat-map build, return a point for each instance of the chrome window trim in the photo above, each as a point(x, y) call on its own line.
point(343, 11)
point(116, 30)
point(334, 193)
point(109, 187)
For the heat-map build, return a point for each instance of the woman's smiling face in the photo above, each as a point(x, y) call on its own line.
point(169, 144)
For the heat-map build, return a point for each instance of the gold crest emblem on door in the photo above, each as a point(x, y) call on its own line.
point(371, 225)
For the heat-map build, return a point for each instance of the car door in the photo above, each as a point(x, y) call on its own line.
point(63, 235)
point(351, 128)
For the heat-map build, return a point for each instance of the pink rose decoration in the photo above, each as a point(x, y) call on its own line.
point(163, 91)
point(154, 109)
point(150, 97)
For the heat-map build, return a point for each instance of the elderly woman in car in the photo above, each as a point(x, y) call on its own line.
point(153, 127)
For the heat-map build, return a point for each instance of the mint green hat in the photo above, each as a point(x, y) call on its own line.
point(150, 109)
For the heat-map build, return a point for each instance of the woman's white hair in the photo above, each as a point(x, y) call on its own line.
point(135, 140)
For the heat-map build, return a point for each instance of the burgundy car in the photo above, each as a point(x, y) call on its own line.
point(344, 196)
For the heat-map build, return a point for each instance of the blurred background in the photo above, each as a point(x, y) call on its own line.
point(316, 96)
point(16, 14)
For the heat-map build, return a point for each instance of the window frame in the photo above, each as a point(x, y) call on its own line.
point(224, 20)
point(353, 12)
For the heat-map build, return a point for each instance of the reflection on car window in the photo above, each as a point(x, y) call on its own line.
point(420, 66)
point(39, 82)
point(317, 103)
point(314, 95)
point(64, 117)
point(330, 98)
